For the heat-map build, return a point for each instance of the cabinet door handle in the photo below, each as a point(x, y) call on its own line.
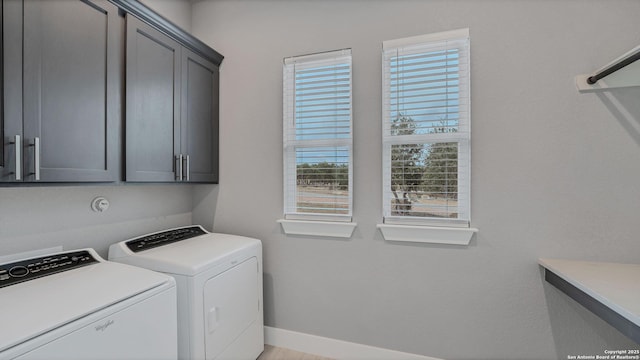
point(17, 141)
point(186, 167)
point(36, 158)
point(179, 167)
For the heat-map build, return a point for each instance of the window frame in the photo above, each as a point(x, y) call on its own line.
point(458, 39)
point(291, 144)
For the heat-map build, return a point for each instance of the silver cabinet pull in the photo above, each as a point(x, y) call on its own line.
point(18, 143)
point(36, 143)
point(36, 158)
point(179, 167)
point(186, 160)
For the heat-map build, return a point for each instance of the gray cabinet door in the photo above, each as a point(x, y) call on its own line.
point(2, 160)
point(199, 117)
point(153, 104)
point(71, 90)
point(12, 91)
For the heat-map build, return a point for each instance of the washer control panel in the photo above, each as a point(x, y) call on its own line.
point(164, 238)
point(25, 270)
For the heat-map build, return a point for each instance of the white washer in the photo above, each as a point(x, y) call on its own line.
point(76, 305)
point(219, 281)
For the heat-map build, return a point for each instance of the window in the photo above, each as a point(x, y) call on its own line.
point(426, 130)
point(317, 136)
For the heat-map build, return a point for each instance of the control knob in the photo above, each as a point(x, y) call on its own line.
point(18, 271)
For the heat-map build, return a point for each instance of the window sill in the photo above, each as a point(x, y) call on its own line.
point(427, 234)
point(318, 228)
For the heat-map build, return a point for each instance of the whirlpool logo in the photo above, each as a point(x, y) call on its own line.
point(104, 326)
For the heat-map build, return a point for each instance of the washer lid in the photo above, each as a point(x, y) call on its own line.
point(34, 307)
point(191, 256)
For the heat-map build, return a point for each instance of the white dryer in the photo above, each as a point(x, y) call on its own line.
point(219, 281)
point(75, 305)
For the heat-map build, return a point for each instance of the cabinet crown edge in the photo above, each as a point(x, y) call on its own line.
point(156, 20)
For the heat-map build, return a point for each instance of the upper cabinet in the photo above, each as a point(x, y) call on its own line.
point(62, 86)
point(172, 109)
point(199, 117)
point(153, 104)
point(94, 87)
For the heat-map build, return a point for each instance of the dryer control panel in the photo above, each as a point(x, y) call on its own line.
point(164, 238)
point(25, 270)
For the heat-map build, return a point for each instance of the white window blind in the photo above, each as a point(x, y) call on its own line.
point(426, 129)
point(317, 136)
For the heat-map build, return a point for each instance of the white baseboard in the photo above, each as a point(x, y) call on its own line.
point(332, 348)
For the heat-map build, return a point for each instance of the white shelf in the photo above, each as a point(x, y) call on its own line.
point(318, 228)
point(623, 78)
point(427, 234)
point(628, 76)
point(614, 287)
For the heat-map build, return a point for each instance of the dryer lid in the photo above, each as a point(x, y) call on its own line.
point(191, 256)
point(34, 307)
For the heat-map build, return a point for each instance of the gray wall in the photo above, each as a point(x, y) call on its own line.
point(555, 174)
point(178, 11)
point(41, 217)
